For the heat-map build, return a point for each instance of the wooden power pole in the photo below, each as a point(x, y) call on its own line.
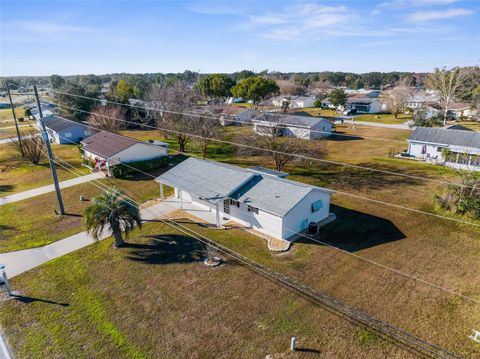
point(50, 155)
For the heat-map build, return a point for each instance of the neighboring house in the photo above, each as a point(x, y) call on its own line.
point(257, 199)
point(233, 115)
point(363, 104)
point(294, 101)
point(326, 104)
point(106, 149)
point(454, 148)
point(305, 127)
point(460, 109)
point(63, 131)
point(47, 109)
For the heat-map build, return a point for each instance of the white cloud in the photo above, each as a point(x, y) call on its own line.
point(50, 27)
point(412, 3)
point(420, 16)
point(294, 22)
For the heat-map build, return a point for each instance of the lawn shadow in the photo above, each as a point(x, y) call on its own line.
point(28, 300)
point(353, 231)
point(6, 187)
point(166, 249)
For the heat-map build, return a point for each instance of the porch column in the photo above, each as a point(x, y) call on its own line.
point(161, 191)
point(217, 215)
point(181, 198)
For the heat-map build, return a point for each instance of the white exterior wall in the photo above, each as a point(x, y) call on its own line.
point(138, 152)
point(298, 218)
point(302, 103)
point(415, 149)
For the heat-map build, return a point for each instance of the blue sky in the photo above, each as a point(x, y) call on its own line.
point(78, 37)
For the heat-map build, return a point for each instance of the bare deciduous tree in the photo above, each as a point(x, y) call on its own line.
point(206, 127)
point(175, 101)
point(447, 83)
point(396, 100)
point(108, 118)
point(32, 144)
point(289, 88)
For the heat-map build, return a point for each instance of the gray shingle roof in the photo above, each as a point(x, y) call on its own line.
point(302, 121)
point(215, 181)
point(444, 136)
point(58, 123)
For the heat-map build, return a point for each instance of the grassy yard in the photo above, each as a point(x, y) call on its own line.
point(320, 112)
point(116, 298)
point(384, 118)
point(155, 299)
point(19, 174)
point(474, 125)
point(33, 222)
point(6, 113)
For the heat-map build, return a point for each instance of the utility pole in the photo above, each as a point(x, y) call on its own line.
point(15, 120)
point(50, 155)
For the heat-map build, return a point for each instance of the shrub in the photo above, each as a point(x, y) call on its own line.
point(122, 170)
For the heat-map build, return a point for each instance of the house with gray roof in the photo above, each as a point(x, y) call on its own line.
point(456, 148)
point(306, 127)
point(257, 198)
point(363, 104)
point(64, 131)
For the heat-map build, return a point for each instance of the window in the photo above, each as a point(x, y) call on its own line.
point(234, 203)
point(68, 134)
point(253, 209)
point(87, 133)
point(317, 205)
point(439, 149)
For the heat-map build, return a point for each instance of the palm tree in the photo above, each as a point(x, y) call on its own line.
point(113, 209)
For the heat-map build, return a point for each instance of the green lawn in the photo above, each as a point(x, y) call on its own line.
point(33, 222)
point(384, 118)
point(6, 113)
point(19, 174)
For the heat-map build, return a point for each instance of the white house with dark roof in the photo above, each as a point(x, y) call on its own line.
point(294, 101)
point(64, 131)
point(258, 199)
point(106, 149)
point(456, 148)
point(306, 127)
point(363, 104)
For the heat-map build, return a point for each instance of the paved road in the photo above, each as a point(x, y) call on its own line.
point(399, 126)
point(20, 261)
point(7, 140)
point(50, 188)
point(8, 127)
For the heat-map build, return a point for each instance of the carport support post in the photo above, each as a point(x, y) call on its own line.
point(217, 215)
point(161, 191)
point(181, 198)
point(50, 155)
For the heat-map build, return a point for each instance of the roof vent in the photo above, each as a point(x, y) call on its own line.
point(277, 196)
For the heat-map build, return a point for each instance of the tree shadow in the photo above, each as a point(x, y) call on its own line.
point(166, 249)
point(307, 350)
point(27, 300)
point(353, 231)
point(340, 136)
point(6, 188)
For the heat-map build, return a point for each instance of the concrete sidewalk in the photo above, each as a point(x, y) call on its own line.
point(50, 188)
point(21, 261)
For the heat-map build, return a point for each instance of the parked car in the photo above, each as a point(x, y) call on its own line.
point(350, 112)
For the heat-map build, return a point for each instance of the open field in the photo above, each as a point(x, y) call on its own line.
point(12, 132)
point(320, 112)
point(6, 113)
point(384, 118)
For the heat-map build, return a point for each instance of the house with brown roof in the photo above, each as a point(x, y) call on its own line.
point(106, 149)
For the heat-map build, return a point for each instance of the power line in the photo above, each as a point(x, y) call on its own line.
point(190, 114)
point(334, 303)
point(407, 275)
point(277, 152)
